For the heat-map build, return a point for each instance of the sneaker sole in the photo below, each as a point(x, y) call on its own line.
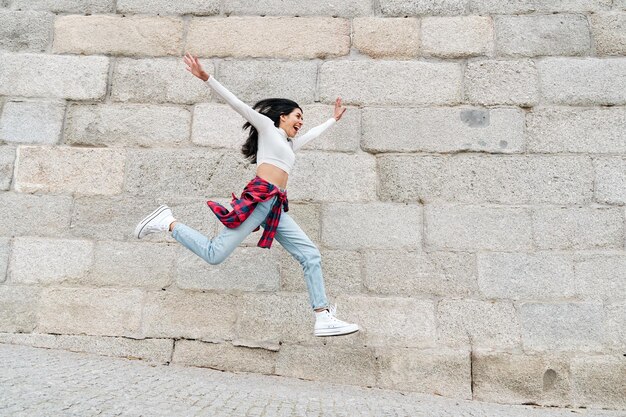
point(148, 219)
point(335, 332)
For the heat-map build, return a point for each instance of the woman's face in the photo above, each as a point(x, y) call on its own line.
point(292, 122)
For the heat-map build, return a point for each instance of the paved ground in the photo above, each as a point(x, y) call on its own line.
point(40, 382)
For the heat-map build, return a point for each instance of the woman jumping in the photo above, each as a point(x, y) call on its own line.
point(273, 125)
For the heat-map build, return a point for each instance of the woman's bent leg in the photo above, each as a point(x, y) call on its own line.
point(298, 244)
point(216, 250)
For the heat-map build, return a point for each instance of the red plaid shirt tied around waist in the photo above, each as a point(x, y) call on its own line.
point(257, 191)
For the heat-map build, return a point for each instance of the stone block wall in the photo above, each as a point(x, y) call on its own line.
point(470, 207)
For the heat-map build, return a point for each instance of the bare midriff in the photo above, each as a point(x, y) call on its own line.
point(273, 174)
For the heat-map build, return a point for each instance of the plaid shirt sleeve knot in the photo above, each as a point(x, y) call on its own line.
point(257, 190)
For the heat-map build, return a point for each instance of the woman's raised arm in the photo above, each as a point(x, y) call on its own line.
point(300, 141)
point(255, 118)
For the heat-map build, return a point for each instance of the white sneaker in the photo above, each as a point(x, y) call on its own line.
point(157, 221)
point(326, 324)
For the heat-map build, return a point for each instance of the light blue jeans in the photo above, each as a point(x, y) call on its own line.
point(288, 234)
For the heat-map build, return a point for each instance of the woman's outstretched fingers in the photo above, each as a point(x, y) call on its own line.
point(194, 67)
point(339, 110)
point(188, 61)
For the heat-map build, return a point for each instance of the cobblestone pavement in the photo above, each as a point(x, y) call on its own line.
point(39, 382)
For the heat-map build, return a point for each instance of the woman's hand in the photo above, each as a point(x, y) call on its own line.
point(194, 67)
point(339, 110)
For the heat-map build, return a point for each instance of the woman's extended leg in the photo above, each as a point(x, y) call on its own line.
point(216, 250)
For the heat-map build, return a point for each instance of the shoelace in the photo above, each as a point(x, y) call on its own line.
point(332, 311)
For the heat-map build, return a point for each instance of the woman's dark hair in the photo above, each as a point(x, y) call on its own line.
point(272, 108)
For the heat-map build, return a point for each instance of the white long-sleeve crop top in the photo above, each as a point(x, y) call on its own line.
point(274, 146)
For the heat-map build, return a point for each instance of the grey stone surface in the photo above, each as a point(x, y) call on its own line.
point(558, 34)
point(347, 8)
point(117, 35)
point(476, 323)
point(537, 6)
point(66, 170)
point(224, 356)
point(56, 76)
point(608, 30)
point(426, 7)
point(561, 326)
point(19, 304)
point(436, 371)
point(115, 217)
point(597, 381)
point(598, 275)
point(328, 365)
point(342, 226)
point(404, 273)
point(43, 381)
point(4, 257)
point(493, 82)
point(516, 378)
point(457, 36)
point(474, 227)
point(38, 122)
point(442, 129)
point(123, 264)
point(91, 311)
point(66, 6)
point(164, 7)
point(254, 80)
point(189, 314)
point(527, 276)
point(217, 126)
point(236, 273)
point(23, 214)
point(579, 228)
point(314, 177)
point(576, 130)
point(614, 332)
point(341, 271)
point(264, 37)
point(127, 125)
point(176, 174)
point(271, 320)
point(479, 179)
point(386, 37)
point(66, 261)
point(610, 180)
point(25, 31)
point(393, 321)
point(160, 80)
point(7, 160)
point(390, 82)
point(151, 350)
point(583, 81)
